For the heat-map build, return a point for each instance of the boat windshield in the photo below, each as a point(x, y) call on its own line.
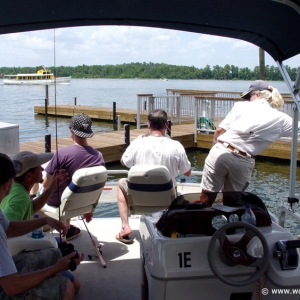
point(187, 215)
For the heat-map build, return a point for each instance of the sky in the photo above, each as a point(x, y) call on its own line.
point(103, 45)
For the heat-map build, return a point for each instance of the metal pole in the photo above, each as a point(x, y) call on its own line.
point(75, 101)
point(138, 113)
point(294, 93)
point(118, 122)
point(127, 135)
point(114, 115)
point(48, 142)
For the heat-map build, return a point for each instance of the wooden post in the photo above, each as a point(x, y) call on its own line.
point(114, 115)
point(169, 127)
point(46, 109)
point(127, 135)
point(47, 94)
point(262, 64)
point(48, 142)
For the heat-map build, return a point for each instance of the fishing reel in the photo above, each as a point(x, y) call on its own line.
point(66, 249)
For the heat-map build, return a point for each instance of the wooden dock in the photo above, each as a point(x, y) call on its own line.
point(112, 144)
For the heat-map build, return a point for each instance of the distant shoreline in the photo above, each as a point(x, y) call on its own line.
point(158, 71)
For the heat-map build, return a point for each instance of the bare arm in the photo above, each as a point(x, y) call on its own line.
point(219, 131)
point(29, 280)
point(56, 179)
point(17, 228)
point(47, 180)
point(188, 173)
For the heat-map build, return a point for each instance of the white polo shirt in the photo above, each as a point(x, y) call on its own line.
point(252, 126)
point(154, 150)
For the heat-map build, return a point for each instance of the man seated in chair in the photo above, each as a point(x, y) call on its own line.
point(30, 275)
point(78, 156)
point(155, 149)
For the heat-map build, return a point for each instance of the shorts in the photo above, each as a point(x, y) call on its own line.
point(50, 289)
point(123, 186)
point(226, 170)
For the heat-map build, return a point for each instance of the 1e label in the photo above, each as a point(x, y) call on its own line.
point(184, 260)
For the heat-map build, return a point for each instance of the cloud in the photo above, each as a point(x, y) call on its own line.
point(100, 45)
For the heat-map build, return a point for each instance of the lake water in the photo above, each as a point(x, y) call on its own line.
point(270, 179)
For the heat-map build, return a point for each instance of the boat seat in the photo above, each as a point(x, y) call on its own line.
point(150, 189)
point(82, 194)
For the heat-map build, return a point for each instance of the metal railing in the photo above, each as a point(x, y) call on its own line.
point(205, 108)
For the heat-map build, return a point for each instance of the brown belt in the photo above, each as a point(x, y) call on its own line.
point(226, 145)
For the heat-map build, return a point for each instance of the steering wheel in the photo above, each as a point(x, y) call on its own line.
point(237, 252)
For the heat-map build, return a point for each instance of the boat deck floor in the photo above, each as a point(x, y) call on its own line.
point(121, 278)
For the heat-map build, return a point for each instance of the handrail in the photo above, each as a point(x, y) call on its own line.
point(288, 211)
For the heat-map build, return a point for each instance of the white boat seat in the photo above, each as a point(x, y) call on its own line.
point(150, 189)
point(81, 196)
point(26, 242)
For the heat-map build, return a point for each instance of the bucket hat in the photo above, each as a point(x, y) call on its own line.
point(7, 168)
point(257, 85)
point(25, 160)
point(81, 124)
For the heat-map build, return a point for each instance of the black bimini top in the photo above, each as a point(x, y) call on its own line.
point(272, 25)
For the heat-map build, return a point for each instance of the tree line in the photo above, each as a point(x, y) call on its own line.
point(158, 70)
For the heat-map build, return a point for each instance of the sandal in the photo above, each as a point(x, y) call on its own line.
point(124, 239)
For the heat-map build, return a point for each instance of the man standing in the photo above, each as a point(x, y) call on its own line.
point(248, 129)
point(18, 205)
point(155, 149)
point(40, 272)
point(80, 155)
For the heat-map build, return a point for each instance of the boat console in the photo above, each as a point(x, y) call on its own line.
point(208, 253)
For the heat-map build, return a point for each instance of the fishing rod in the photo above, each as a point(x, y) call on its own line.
point(97, 249)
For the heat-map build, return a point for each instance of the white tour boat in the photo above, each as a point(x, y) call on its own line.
point(42, 76)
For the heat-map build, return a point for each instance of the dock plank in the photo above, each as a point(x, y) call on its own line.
point(95, 112)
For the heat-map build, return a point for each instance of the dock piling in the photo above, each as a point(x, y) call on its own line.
point(127, 135)
point(114, 115)
point(169, 124)
point(48, 142)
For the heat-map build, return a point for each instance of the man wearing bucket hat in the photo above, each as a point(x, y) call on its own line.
point(80, 155)
point(29, 274)
point(248, 129)
point(18, 205)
